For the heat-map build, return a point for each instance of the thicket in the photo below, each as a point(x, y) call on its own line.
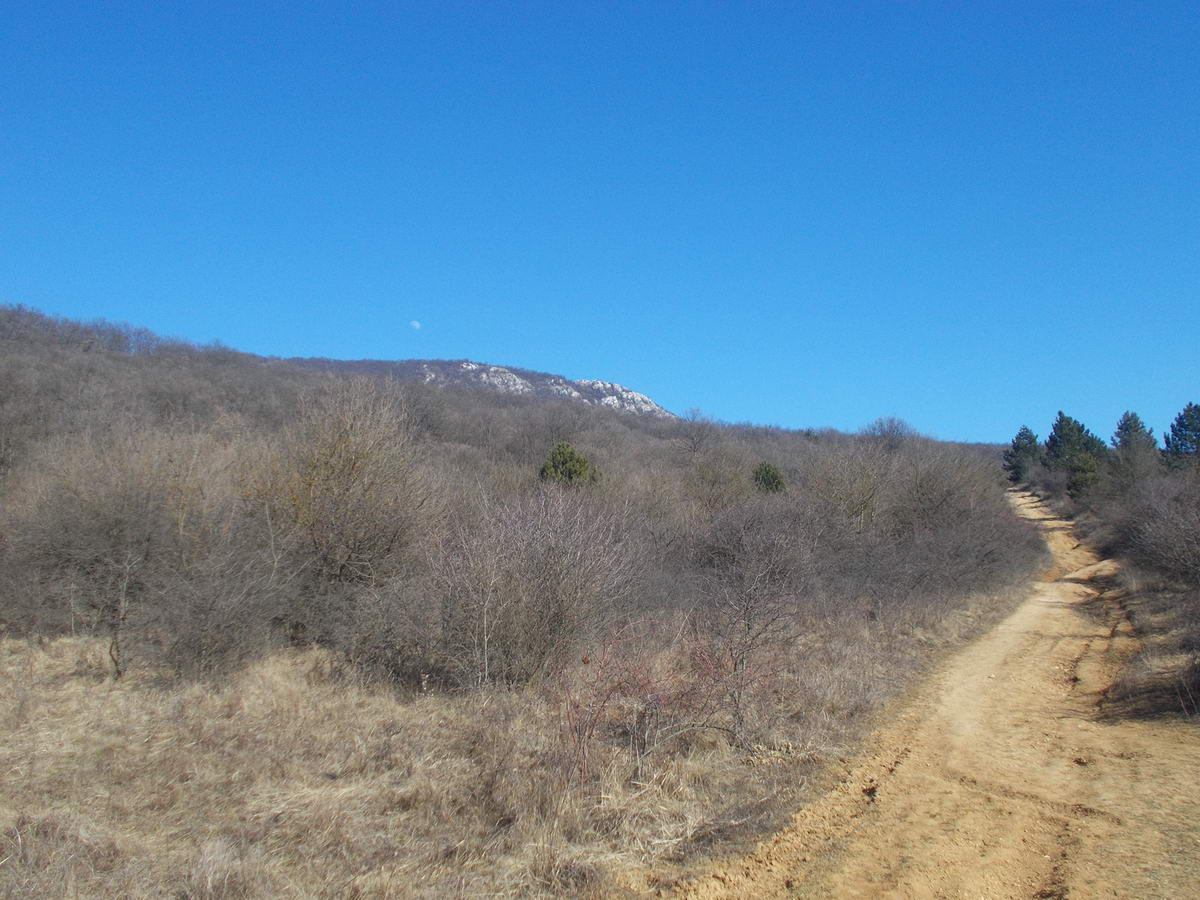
point(198, 508)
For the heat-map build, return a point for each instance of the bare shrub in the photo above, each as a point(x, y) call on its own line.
point(631, 692)
point(848, 482)
point(1162, 528)
point(221, 612)
point(141, 536)
point(348, 489)
point(519, 584)
point(889, 432)
point(1050, 483)
point(714, 478)
point(106, 515)
point(388, 630)
point(93, 516)
point(755, 569)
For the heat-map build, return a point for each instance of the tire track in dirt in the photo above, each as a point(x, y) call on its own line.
point(998, 779)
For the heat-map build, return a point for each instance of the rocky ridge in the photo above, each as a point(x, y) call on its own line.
point(503, 379)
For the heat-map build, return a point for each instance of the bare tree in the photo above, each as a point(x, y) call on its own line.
point(695, 433)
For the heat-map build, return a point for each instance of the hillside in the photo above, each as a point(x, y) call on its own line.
point(275, 628)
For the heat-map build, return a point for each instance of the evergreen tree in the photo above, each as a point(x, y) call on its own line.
point(768, 479)
point(1183, 442)
point(1022, 455)
point(1135, 452)
point(568, 466)
point(1132, 434)
point(1075, 450)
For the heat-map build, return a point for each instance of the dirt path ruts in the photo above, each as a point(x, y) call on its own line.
point(1000, 779)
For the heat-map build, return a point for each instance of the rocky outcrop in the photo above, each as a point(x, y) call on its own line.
point(503, 379)
point(521, 381)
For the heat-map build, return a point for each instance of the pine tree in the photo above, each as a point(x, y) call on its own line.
point(1022, 455)
point(1132, 434)
point(568, 466)
point(1183, 442)
point(1135, 452)
point(1075, 450)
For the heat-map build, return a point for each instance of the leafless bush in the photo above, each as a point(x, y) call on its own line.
point(141, 536)
point(221, 613)
point(102, 516)
point(637, 688)
point(889, 432)
point(756, 565)
point(715, 478)
point(848, 482)
point(1050, 484)
point(1162, 527)
point(388, 630)
point(349, 491)
point(522, 582)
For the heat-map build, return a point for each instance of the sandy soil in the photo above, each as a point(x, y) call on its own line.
point(1005, 775)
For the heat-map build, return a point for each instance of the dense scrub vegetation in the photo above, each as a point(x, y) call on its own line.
point(1140, 502)
point(394, 631)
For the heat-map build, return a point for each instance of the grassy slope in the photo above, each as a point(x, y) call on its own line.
point(289, 779)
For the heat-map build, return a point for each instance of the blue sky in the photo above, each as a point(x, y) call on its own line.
point(968, 215)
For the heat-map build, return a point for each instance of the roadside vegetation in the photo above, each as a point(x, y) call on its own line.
point(1139, 501)
point(272, 631)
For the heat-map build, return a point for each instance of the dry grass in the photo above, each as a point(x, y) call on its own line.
point(1163, 677)
point(287, 779)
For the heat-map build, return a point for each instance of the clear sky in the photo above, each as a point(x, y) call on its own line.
point(965, 214)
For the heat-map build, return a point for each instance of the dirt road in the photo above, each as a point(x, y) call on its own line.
point(1003, 777)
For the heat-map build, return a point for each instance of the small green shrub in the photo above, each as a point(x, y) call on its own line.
point(568, 466)
point(768, 479)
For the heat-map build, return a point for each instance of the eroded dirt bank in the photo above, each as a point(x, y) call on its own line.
point(1004, 776)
